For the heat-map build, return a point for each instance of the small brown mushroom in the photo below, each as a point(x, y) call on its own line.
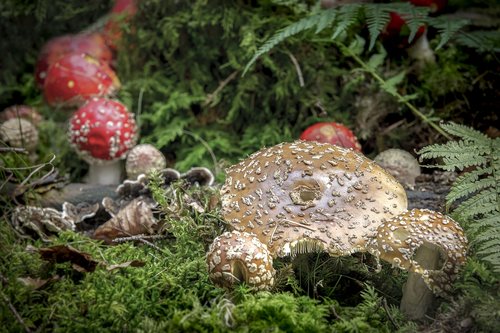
point(21, 111)
point(424, 242)
point(236, 257)
point(401, 164)
point(19, 133)
point(199, 176)
point(143, 159)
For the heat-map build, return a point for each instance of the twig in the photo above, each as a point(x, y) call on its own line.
point(13, 149)
point(12, 308)
point(142, 238)
point(297, 68)
point(210, 97)
point(387, 312)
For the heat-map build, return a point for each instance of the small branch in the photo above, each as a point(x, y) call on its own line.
point(142, 238)
point(388, 313)
point(13, 149)
point(210, 97)
point(297, 68)
point(207, 147)
point(12, 308)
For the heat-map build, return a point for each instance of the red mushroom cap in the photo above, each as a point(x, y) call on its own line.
point(102, 130)
point(398, 29)
point(121, 13)
point(92, 44)
point(333, 133)
point(75, 78)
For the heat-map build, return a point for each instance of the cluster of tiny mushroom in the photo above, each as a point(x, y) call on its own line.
point(298, 196)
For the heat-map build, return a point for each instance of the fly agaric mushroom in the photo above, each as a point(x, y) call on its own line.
point(102, 131)
point(91, 44)
point(236, 257)
point(121, 13)
point(19, 133)
point(309, 195)
point(333, 133)
point(424, 242)
point(401, 164)
point(143, 159)
point(77, 77)
point(21, 111)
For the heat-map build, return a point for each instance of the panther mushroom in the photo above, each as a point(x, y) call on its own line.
point(308, 196)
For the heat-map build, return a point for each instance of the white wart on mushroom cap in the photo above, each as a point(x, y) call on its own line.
point(398, 239)
point(296, 194)
point(236, 257)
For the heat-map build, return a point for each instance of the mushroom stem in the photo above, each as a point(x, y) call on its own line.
point(417, 297)
point(109, 173)
point(421, 50)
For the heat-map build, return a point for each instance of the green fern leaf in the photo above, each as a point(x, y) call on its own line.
point(377, 17)
point(390, 85)
point(326, 19)
point(465, 133)
point(480, 40)
point(282, 34)
point(467, 188)
point(482, 203)
point(346, 17)
point(446, 28)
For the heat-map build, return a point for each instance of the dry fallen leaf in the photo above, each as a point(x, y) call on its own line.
point(133, 263)
point(36, 283)
point(81, 261)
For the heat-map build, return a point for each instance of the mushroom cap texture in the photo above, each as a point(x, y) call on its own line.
point(331, 132)
point(236, 257)
point(77, 77)
point(294, 194)
point(399, 238)
point(102, 130)
point(142, 159)
point(21, 111)
point(399, 163)
point(20, 133)
point(92, 44)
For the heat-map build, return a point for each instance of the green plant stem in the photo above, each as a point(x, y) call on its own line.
point(399, 97)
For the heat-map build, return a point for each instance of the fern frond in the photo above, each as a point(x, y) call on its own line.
point(466, 133)
point(293, 29)
point(415, 18)
point(446, 28)
point(484, 223)
point(377, 18)
point(456, 155)
point(480, 40)
point(346, 17)
point(469, 187)
point(481, 203)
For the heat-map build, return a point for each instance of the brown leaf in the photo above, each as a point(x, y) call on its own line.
point(36, 283)
point(133, 263)
point(80, 261)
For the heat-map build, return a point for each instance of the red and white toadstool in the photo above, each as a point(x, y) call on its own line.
point(91, 44)
point(333, 133)
point(76, 77)
point(103, 131)
point(121, 13)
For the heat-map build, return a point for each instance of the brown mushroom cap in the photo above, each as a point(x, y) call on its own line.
point(294, 194)
point(400, 237)
point(399, 163)
point(236, 257)
point(142, 159)
point(20, 133)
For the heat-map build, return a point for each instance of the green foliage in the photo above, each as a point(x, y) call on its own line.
point(477, 189)
point(342, 18)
